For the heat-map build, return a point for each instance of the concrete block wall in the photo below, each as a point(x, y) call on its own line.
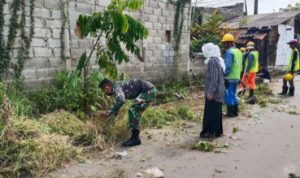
point(45, 52)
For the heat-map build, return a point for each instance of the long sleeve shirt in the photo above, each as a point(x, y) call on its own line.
point(295, 56)
point(264, 73)
point(214, 80)
point(229, 57)
point(128, 89)
point(250, 62)
point(245, 55)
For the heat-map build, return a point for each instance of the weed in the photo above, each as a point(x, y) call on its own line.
point(156, 118)
point(292, 113)
point(172, 92)
point(235, 130)
point(209, 146)
point(185, 113)
point(263, 90)
point(204, 146)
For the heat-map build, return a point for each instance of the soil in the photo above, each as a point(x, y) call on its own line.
point(263, 143)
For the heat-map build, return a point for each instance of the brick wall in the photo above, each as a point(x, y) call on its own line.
point(45, 51)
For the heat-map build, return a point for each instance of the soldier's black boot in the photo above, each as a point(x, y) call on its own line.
point(291, 91)
point(133, 140)
point(284, 91)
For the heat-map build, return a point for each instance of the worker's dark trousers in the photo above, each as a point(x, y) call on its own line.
point(290, 82)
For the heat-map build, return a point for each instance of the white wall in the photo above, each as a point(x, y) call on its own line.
point(283, 50)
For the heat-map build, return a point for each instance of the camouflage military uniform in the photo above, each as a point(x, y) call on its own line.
point(133, 89)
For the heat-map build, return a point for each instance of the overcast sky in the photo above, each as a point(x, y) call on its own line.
point(264, 6)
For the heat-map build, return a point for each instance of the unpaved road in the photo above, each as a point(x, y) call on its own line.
point(267, 145)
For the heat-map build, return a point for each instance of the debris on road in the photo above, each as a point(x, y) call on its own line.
point(235, 130)
point(117, 155)
point(154, 172)
point(139, 174)
point(209, 146)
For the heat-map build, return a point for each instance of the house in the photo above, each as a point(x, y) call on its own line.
point(270, 32)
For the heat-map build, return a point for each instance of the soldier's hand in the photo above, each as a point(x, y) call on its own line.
point(139, 100)
point(209, 97)
point(104, 114)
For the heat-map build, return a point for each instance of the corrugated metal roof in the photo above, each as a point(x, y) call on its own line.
point(270, 19)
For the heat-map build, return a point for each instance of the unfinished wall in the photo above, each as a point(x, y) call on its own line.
point(46, 52)
point(227, 12)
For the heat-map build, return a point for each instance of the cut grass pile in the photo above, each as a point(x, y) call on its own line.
point(34, 147)
point(159, 117)
point(263, 94)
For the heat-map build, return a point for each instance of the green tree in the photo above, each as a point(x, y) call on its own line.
point(120, 31)
point(210, 31)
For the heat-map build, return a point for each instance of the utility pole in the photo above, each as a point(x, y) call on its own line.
point(246, 7)
point(255, 7)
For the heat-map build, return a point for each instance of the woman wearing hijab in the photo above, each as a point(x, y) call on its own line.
point(214, 92)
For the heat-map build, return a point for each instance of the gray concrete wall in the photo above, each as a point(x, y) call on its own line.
point(45, 52)
point(228, 12)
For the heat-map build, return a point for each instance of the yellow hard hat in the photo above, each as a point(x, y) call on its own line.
point(288, 77)
point(243, 49)
point(250, 43)
point(228, 38)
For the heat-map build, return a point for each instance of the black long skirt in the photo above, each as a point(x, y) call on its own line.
point(212, 119)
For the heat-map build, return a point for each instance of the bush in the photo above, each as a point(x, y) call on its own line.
point(172, 92)
point(198, 43)
point(67, 94)
point(21, 104)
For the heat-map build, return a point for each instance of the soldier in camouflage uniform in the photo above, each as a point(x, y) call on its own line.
point(142, 91)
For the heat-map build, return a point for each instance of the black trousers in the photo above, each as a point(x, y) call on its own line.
point(290, 82)
point(212, 119)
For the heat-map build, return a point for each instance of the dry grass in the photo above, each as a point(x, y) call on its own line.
point(36, 146)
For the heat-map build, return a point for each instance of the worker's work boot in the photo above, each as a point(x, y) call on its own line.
point(230, 111)
point(236, 110)
point(251, 93)
point(291, 91)
point(284, 91)
point(133, 140)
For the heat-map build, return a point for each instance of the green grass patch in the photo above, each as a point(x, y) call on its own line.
point(208, 146)
point(156, 117)
point(293, 113)
point(235, 130)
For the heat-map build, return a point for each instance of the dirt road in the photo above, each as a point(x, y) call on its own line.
point(267, 145)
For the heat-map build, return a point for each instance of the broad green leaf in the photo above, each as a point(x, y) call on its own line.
point(81, 64)
point(133, 4)
point(125, 24)
point(93, 108)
